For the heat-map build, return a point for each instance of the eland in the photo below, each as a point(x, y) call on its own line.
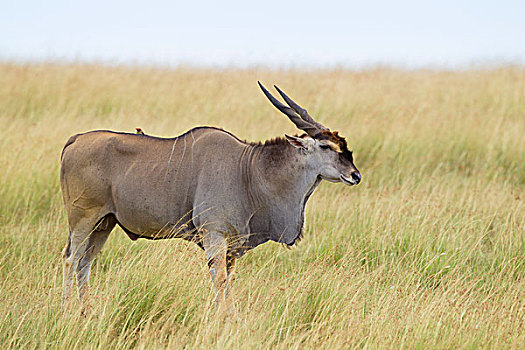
point(206, 186)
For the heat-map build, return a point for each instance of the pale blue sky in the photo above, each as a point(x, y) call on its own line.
point(276, 33)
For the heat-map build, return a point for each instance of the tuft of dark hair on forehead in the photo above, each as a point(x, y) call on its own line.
point(333, 137)
point(338, 140)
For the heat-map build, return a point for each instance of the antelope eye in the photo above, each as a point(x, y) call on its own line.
point(325, 147)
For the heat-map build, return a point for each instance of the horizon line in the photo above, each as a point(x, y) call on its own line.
point(473, 64)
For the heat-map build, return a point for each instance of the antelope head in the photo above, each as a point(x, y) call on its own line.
point(326, 151)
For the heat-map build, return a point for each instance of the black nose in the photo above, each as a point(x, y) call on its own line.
point(356, 176)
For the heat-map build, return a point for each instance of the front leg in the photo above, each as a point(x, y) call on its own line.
point(216, 246)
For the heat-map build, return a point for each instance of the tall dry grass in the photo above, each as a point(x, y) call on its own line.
point(428, 252)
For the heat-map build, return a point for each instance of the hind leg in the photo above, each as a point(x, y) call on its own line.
point(230, 277)
point(67, 279)
point(75, 246)
point(94, 244)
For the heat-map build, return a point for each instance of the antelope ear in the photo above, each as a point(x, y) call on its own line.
point(297, 142)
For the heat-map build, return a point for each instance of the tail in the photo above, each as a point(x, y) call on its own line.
point(69, 142)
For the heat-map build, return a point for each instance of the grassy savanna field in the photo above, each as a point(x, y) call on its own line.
point(428, 251)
